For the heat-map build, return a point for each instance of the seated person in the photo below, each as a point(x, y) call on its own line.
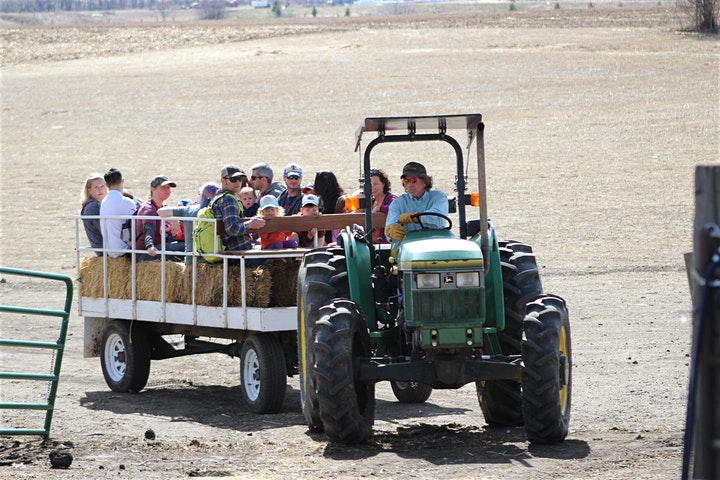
point(310, 208)
point(115, 203)
point(148, 232)
point(92, 196)
point(418, 198)
point(249, 200)
point(206, 193)
point(270, 208)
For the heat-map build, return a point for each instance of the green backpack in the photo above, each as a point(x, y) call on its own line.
point(204, 232)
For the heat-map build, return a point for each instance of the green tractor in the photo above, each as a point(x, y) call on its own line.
point(437, 310)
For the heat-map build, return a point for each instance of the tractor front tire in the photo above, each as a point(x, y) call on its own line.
point(547, 371)
point(126, 353)
point(322, 277)
point(411, 392)
point(347, 405)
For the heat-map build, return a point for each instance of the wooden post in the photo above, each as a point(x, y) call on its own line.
point(706, 439)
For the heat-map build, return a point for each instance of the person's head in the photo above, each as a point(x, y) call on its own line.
point(380, 182)
point(308, 189)
point(415, 179)
point(261, 176)
point(94, 188)
point(310, 205)
point(114, 179)
point(160, 188)
point(328, 189)
point(232, 178)
point(206, 193)
point(292, 175)
point(269, 207)
point(247, 196)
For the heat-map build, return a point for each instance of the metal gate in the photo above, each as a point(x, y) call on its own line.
point(56, 347)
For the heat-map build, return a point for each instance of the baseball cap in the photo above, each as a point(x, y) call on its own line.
point(268, 201)
point(413, 169)
point(161, 180)
point(231, 171)
point(308, 188)
point(310, 200)
point(292, 169)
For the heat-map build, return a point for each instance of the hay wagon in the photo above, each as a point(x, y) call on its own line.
point(244, 306)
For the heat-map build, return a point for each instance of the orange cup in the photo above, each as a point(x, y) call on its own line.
point(475, 199)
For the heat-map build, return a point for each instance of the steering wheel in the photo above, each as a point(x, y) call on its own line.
point(419, 216)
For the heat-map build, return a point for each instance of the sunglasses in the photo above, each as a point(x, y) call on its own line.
point(408, 180)
point(234, 180)
point(255, 178)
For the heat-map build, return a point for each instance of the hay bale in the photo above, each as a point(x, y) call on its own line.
point(148, 280)
point(208, 286)
point(260, 280)
point(258, 284)
point(284, 274)
point(91, 277)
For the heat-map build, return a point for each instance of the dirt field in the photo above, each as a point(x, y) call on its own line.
point(595, 121)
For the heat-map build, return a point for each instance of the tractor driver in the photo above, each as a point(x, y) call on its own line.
point(418, 197)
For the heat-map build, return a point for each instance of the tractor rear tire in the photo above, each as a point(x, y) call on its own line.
point(263, 373)
point(411, 392)
point(347, 405)
point(547, 371)
point(501, 400)
point(126, 353)
point(322, 277)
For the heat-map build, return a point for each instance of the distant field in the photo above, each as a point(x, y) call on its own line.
point(322, 11)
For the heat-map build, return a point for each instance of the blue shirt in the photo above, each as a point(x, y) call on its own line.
point(433, 201)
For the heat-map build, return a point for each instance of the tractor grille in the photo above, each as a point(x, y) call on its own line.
point(445, 307)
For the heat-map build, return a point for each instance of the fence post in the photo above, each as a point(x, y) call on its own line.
point(706, 238)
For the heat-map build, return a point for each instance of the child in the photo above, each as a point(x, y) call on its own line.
point(269, 208)
point(310, 208)
point(248, 198)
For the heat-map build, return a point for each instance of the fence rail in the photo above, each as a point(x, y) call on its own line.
point(58, 347)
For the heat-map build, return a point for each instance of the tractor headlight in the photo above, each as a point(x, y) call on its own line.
point(427, 280)
point(467, 279)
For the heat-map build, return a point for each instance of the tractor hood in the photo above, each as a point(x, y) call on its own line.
point(438, 250)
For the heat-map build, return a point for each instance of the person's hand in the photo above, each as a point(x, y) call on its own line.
point(174, 228)
point(406, 218)
point(152, 251)
point(395, 231)
point(257, 222)
point(311, 234)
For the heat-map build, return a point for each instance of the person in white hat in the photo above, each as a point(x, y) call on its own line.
point(291, 198)
point(270, 208)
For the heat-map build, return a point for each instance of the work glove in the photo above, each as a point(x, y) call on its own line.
point(406, 218)
point(395, 231)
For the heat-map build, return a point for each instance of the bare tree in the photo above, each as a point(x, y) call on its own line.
point(704, 14)
point(212, 9)
point(163, 7)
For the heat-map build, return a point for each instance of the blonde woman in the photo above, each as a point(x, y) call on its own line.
point(91, 197)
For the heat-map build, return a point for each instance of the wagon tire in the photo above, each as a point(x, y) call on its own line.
point(263, 377)
point(125, 359)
